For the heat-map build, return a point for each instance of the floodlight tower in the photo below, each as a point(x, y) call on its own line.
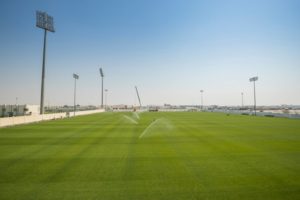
point(75, 76)
point(44, 21)
point(253, 79)
point(201, 99)
point(242, 94)
point(102, 76)
point(106, 91)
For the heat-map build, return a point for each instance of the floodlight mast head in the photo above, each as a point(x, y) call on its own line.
point(102, 76)
point(101, 72)
point(253, 79)
point(75, 76)
point(44, 21)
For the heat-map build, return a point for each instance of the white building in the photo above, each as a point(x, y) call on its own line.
point(18, 110)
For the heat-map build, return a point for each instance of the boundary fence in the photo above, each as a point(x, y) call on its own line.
point(12, 121)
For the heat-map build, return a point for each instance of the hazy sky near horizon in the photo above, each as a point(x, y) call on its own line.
point(170, 49)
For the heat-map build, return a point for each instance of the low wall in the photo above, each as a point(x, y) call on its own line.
point(86, 112)
point(11, 121)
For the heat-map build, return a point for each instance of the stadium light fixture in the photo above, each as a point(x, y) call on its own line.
point(75, 76)
point(253, 79)
point(102, 77)
point(44, 21)
point(201, 99)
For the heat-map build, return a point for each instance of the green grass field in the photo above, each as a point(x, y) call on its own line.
point(152, 156)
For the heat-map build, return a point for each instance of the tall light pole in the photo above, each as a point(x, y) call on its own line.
point(75, 76)
point(106, 91)
point(242, 99)
point(102, 76)
point(45, 22)
point(201, 99)
point(17, 106)
point(253, 79)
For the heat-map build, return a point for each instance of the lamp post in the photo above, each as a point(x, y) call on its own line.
point(75, 76)
point(44, 21)
point(17, 107)
point(253, 79)
point(201, 99)
point(102, 77)
point(242, 94)
point(106, 91)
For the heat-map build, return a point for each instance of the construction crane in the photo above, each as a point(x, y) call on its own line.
point(137, 93)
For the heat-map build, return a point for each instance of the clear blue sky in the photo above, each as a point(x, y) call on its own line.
point(170, 49)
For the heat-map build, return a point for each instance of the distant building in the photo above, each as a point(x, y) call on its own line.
point(153, 109)
point(18, 110)
point(121, 107)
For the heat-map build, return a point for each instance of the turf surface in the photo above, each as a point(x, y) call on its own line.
point(152, 156)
